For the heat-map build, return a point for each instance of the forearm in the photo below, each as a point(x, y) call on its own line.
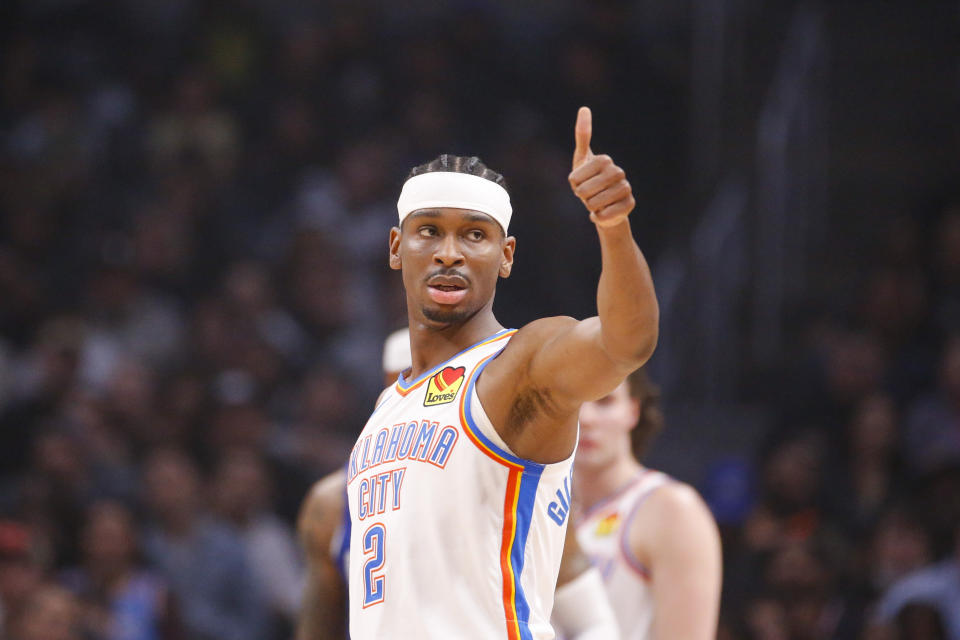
point(582, 611)
point(626, 301)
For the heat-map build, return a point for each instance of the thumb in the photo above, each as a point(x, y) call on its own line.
point(582, 132)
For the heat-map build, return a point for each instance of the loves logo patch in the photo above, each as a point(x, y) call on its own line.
point(608, 525)
point(443, 386)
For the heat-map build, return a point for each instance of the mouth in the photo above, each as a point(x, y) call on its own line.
point(447, 289)
point(586, 445)
point(446, 293)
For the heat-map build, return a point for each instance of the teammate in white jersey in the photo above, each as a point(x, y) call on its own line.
point(652, 538)
point(323, 526)
point(458, 486)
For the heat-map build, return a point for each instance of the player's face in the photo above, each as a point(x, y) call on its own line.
point(450, 259)
point(605, 427)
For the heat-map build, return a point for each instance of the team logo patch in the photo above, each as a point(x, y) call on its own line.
point(443, 387)
point(608, 525)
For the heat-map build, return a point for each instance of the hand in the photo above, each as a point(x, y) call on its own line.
point(599, 183)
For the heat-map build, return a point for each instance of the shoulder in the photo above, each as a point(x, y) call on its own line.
point(321, 511)
point(543, 330)
point(677, 503)
point(531, 338)
point(679, 516)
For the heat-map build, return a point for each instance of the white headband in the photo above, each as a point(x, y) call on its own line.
point(455, 190)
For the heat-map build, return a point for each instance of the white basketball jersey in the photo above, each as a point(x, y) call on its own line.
point(452, 535)
point(602, 534)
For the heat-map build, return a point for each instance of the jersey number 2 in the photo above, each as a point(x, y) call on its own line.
point(373, 540)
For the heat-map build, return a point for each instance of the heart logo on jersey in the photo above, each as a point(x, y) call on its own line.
point(608, 525)
point(443, 386)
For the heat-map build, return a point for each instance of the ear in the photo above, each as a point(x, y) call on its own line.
point(506, 263)
point(395, 263)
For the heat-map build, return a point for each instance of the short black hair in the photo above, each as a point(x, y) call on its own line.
point(471, 165)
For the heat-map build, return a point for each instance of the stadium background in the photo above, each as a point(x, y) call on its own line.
point(194, 198)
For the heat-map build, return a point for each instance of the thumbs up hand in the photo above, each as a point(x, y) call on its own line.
point(599, 183)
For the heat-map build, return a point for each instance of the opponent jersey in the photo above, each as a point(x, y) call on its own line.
point(602, 534)
point(452, 535)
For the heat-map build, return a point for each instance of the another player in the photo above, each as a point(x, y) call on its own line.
point(324, 528)
point(653, 539)
point(459, 485)
point(324, 533)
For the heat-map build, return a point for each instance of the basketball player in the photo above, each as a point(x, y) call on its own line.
point(459, 485)
point(653, 538)
point(324, 533)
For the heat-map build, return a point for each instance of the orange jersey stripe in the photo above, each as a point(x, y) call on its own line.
point(506, 566)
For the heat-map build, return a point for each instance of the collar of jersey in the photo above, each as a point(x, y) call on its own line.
point(607, 500)
point(403, 387)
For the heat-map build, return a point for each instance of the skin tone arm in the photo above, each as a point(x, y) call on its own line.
point(324, 598)
point(683, 554)
point(532, 390)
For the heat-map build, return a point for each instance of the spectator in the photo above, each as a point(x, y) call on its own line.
point(50, 613)
point(204, 562)
point(241, 495)
point(936, 587)
point(933, 426)
point(20, 573)
point(119, 598)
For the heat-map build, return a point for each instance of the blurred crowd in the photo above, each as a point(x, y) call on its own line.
point(853, 530)
point(195, 198)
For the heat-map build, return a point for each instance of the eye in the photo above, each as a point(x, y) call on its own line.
point(476, 235)
point(427, 231)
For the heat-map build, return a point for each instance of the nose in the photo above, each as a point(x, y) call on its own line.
point(448, 252)
point(588, 415)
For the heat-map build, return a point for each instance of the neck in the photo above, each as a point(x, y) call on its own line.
point(594, 485)
point(431, 344)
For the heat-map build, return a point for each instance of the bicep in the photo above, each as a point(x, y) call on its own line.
point(686, 568)
point(573, 362)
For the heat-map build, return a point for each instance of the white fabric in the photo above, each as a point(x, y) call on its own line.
point(601, 533)
point(396, 351)
point(457, 191)
point(442, 569)
point(582, 611)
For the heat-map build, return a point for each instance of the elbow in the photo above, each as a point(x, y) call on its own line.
point(647, 333)
point(638, 344)
point(647, 344)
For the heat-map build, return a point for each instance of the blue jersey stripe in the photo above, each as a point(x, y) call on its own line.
point(528, 465)
point(529, 481)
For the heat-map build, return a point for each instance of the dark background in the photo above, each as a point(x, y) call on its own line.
point(195, 198)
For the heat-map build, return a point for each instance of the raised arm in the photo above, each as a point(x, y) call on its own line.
point(560, 362)
point(323, 611)
point(623, 335)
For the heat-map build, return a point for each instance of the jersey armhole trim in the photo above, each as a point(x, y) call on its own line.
point(632, 561)
point(476, 435)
